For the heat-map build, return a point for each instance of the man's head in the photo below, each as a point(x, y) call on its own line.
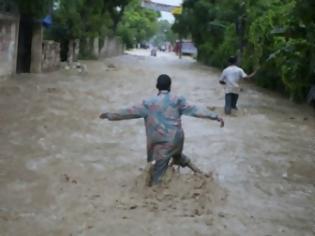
point(232, 60)
point(163, 82)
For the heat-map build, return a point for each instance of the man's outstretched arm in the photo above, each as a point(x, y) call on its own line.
point(195, 111)
point(245, 76)
point(133, 112)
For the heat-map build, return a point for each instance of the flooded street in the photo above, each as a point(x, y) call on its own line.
point(66, 172)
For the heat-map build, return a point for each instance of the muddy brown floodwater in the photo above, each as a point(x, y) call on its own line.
point(65, 172)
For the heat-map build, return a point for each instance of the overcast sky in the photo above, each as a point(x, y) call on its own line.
point(166, 15)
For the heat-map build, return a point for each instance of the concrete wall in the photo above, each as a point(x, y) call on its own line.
point(50, 56)
point(9, 31)
point(96, 48)
point(45, 53)
point(112, 47)
point(73, 51)
point(36, 56)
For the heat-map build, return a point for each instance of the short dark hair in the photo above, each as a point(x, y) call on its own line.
point(232, 60)
point(163, 82)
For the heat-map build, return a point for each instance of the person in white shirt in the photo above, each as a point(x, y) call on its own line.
point(230, 78)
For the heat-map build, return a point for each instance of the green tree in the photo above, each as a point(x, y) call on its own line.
point(278, 35)
point(137, 25)
point(115, 10)
point(85, 20)
point(34, 8)
point(164, 33)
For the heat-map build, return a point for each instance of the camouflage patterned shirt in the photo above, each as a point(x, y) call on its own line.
point(162, 114)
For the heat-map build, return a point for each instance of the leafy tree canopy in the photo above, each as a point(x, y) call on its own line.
point(138, 24)
point(277, 35)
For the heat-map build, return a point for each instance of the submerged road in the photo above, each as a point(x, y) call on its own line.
point(65, 172)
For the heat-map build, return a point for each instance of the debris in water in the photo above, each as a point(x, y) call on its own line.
point(52, 90)
point(112, 66)
point(133, 207)
point(67, 177)
point(211, 108)
point(221, 214)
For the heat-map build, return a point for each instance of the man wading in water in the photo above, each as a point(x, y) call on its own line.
point(165, 136)
point(230, 78)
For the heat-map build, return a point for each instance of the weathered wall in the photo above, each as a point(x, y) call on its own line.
point(36, 57)
point(9, 30)
point(96, 48)
point(73, 51)
point(45, 54)
point(112, 47)
point(50, 56)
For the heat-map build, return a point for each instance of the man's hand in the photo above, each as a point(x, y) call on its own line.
point(252, 74)
point(221, 122)
point(104, 115)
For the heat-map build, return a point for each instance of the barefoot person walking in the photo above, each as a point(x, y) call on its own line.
point(165, 136)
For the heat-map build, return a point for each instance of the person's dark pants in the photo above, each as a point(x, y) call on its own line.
point(230, 102)
point(163, 152)
point(161, 166)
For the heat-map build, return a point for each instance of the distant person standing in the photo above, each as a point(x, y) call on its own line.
point(230, 78)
